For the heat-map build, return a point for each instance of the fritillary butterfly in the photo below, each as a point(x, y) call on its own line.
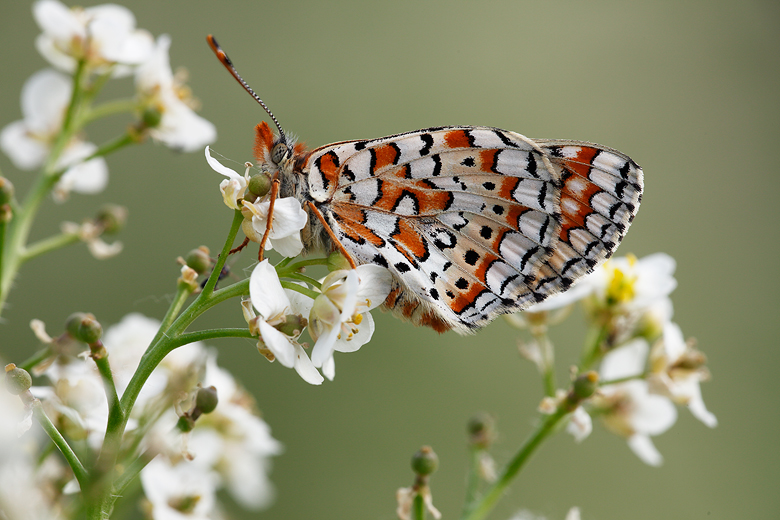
point(472, 221)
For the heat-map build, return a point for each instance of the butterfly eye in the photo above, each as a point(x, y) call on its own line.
point(279, 152)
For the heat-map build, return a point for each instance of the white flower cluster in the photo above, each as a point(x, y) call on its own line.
point(648, 366)
point(105, 40)
point(230, 447)
point(338, 317)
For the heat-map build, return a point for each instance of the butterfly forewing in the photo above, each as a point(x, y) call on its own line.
point(474, 221)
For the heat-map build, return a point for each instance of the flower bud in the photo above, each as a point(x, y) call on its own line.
point(84, 327)
point(336, 261)
point(185, 424)
point(481, 429)
point(17, 380)
point(585, 385)
point(199, 259)
point(259, 184)
point(582, 388)
point(425, 461)
point(6, 191)
point(111, 217)
point(207, 399)
point(151, 117)
point(73, 322)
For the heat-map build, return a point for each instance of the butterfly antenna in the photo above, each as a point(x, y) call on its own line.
point(223, 58)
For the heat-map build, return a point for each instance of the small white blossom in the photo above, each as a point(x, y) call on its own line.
point(634, 284)
point(580, 424)
point(235, 441)
point(676, 369)
point(28, 142)
point(288, 220)
point(273, 305)
point(405, 499)
point(234, 187)
point(104, 35)
point(179, 491)
point(180, 127)
point(89, 233)
point(339, 319)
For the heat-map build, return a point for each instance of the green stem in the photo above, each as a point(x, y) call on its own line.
point(484, 506)
point(418, 507)
point(164, 342)
point(48, 244)
point(300, 288)
point(101, 360)
point(33, 361)
point(56, 437)
point(548, 358)
point(302, 277)
point(301, 264)
point(203, 335)
point(20, 230)
point(131, 472)
point(472, 484)
point(110, 108)
point(592, 351)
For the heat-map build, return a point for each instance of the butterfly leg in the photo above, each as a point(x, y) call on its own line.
point(274, 194)
point(239, 248)
point(331, 234)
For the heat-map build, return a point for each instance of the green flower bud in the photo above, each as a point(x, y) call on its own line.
point(6, 191)
point(207, 400)
point(17, 380)
point(585, 385)
point(199, 259)
point(425, 461)
point(481, 429)
point(336, 261)
point(84, 327)
point(111, 217)
point(259, 184)
point(73, 323)
point(151, 117)
point(185, 424)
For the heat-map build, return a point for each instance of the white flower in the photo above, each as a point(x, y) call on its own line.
point(524, 514)
point(77, 392)
point(28, 142)
point(339, 319)
point(234, 187)
point(179, 491)
point(180, 127)
point(580, 424)
point(273, 305)
point(676, 369)
point(89, 233)
point(629, 408)
point(405, 499)
point(634, 284)
point(235, 442)
point(288, 220)
point(104, 35)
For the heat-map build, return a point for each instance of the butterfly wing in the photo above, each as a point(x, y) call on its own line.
point(474, 222)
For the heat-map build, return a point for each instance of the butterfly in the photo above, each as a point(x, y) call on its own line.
point(472, 221)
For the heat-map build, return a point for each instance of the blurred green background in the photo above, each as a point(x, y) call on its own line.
point(691, 90)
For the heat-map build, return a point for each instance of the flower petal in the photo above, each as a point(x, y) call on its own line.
point(266, 293)
point(289, 218)
point(305, 367)
point(628, 360)
point(644, 448)
point(375, 285)
point(278, 343)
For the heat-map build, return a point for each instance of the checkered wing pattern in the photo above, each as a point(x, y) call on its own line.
point(474, 222)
